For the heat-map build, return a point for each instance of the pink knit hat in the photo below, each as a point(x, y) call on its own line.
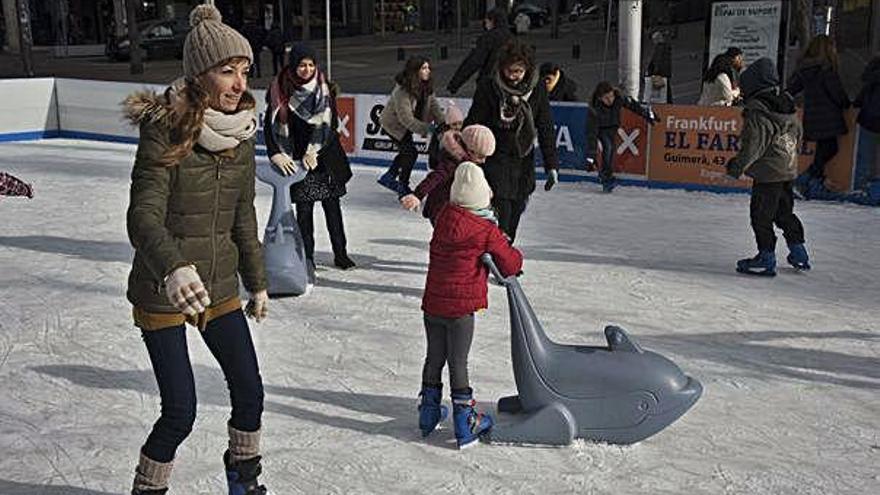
point(478, 139)
point(453, 115)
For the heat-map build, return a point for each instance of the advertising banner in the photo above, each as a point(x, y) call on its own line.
point(630, 145)
point(691, 145)
point(345, 107)
point(753, 27)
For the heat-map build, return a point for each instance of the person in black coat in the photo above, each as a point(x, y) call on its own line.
point(869, 118)
point(514, 105)
point(255, 33)
point(660, 64)
point(825, 101)
point(300, 124)
point(559, 86)
point(484, 54)
point(603, 120)
point(274, 41)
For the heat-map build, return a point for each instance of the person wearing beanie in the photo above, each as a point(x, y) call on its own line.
point(456, 288)
point(192, 223)
point(300, 130)
point(559, 86)
point(475, 143)
point(514, 105)
point(411, 110)
point(769, 144)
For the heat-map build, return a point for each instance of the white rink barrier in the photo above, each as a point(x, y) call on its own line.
point(28, 109)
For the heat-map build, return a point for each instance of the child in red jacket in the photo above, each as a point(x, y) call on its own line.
point(457, 287)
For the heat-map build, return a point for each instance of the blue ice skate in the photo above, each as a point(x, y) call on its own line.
point(431, 412)
point(469, 423)
point(618, 394)
point(797, 257)
point(763, 264)
point(388, 180)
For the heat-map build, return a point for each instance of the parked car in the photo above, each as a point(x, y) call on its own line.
point(159, 39)
point(537, 14)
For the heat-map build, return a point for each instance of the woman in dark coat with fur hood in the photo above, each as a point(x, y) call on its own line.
point(300, 124)
point(825, 101)
point(515, 107)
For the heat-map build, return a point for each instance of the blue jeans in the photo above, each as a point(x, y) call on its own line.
point(229, 340)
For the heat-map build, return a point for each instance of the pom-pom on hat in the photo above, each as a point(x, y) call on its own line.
point(210, 42)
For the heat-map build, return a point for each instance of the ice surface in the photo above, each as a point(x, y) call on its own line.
point(791, 365)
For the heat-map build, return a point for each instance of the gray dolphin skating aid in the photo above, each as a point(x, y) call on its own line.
point(287, 269)
point(618, 394)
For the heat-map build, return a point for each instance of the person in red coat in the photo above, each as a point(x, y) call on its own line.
point(456, 287)
point(475, 143)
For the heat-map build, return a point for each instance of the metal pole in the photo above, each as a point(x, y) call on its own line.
point(134, 37)
point(458, 23)
point(382, 16)
point(25, 37)
point(607, 36)
point(629, 43)
point(306, 32)
point(327, 35)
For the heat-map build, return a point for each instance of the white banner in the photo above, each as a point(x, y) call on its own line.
point(371, 141)
point(751, 26)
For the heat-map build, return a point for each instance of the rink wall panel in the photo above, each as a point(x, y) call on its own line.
point(648, 155)
point(28, 109)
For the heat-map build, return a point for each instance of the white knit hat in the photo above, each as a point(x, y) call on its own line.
point(469, 187)
point(210, 42)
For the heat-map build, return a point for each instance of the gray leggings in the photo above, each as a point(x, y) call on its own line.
point(449, 340)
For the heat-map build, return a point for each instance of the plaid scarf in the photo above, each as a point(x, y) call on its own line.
point(11, 186)
point(308, 100)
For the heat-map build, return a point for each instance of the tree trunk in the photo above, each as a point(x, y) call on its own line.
point(134, 37)
point(802, 22)
point(306, 32)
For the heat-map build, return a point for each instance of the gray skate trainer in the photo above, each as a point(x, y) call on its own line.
point(287, 270)
point(618, 394)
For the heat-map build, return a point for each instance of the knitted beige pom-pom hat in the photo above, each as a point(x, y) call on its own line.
point(469, 187)
point(210, 42)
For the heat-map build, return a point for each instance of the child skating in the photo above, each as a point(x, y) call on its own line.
point(474, 144)
point(455, 289)
point(768, 154)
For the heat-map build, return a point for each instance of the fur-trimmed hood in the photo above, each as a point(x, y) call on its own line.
point(148, 106)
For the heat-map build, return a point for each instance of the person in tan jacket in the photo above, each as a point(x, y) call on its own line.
point(412, 109)
point(192, 223)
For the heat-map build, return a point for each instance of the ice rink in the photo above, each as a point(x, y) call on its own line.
point(790, 365)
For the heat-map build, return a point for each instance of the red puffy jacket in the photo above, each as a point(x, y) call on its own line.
point(457, 278)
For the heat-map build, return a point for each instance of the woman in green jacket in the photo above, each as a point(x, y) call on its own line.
point(192, 223)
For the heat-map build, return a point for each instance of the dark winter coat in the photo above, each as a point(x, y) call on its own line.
point(770, 139)
point(565, 89)
point(869, 97)
point(661, 61)
point(604, 119)
point(328, 179)
point(457, 279)
point(824, 100)
point(510, 174)
point(481, 58)
point(200, 211)
point(274, 40)
point(437, 185)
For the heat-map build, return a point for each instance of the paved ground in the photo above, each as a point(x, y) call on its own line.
point(366, 64)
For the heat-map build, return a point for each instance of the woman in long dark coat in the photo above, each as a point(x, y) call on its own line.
point(825, 101)
point(515, 107)
point(300, 124)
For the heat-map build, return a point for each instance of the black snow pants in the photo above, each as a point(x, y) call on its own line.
point(773, 203)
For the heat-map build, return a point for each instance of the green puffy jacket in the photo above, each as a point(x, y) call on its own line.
point(199, 212)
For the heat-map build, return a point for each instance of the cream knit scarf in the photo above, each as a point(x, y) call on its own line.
point(220, 131)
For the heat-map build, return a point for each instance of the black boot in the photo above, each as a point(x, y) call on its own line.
point(242, 476)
